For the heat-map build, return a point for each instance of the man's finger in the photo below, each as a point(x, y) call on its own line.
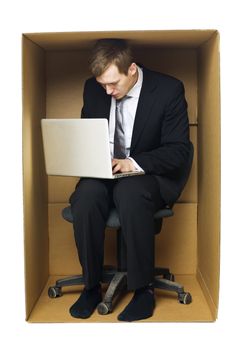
point(116, 168)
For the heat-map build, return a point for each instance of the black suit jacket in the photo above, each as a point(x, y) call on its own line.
point(160, 141)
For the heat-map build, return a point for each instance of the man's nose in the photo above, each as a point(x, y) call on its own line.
point(109, 90)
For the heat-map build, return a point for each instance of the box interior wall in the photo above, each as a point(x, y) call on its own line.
point(54, 70)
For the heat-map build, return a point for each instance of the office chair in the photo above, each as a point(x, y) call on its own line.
point(117, 277)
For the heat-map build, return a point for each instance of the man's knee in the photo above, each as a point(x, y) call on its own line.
point(129, 191)
point(88, 191)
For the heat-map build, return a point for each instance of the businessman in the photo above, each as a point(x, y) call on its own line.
point(149, 131)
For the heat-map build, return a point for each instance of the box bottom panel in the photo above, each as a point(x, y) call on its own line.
point(168, 309)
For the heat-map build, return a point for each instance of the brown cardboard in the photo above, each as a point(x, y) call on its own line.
point(148, 38)
point(168, 309)
point(35, 179)
point(209, 170)
point(54, 71)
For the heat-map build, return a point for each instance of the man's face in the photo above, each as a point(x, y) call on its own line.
point(118, 84)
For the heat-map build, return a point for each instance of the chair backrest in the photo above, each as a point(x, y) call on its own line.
point(186, 173)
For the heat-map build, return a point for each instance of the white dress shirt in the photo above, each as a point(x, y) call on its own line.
point(129, 111)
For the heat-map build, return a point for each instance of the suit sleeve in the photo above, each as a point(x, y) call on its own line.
point(173, 152)
point(84, 111)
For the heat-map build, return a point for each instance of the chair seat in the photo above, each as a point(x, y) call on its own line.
point(113, 219)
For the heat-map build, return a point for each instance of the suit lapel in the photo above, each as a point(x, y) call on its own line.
point(146, 100)
point(106, 100)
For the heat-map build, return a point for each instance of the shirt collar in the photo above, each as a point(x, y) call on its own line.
point(135, 91)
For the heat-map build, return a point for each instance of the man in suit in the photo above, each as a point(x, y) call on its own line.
point(149, 131)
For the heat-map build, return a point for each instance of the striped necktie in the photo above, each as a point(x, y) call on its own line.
point(119, 137)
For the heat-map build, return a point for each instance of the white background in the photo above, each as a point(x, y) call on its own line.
point(42, 16)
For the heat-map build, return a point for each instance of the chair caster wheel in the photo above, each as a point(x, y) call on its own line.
point(104, 308)
point(54, 292)
point(185, 298)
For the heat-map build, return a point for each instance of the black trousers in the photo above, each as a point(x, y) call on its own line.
point(136, 198)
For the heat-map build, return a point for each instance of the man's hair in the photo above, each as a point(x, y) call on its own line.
point(110, 51)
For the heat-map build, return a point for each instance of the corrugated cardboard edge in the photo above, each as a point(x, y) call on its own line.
point(211, 304)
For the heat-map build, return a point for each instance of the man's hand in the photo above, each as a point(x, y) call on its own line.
point(122, 165)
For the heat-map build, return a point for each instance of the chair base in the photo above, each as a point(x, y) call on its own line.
point(117, 281)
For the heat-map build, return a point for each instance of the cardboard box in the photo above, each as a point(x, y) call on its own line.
point(54, 70)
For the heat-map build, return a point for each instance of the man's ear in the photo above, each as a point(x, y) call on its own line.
point(133, 69)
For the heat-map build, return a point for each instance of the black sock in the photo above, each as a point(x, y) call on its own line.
point(140, 307)
point(87, 302)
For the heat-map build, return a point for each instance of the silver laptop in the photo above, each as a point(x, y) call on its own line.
point(78, 147)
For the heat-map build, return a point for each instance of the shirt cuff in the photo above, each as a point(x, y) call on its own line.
point(137, 167)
